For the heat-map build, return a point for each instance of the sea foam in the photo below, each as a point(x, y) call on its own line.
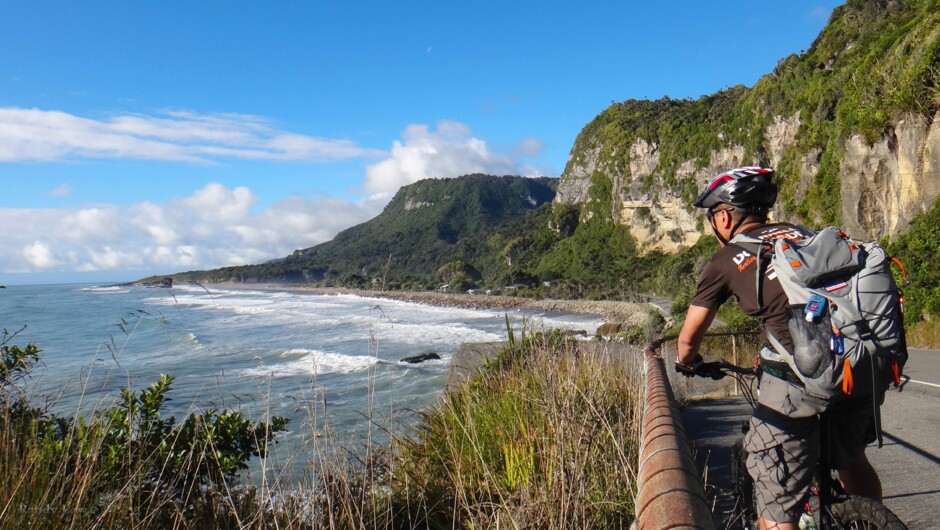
point(313, 362)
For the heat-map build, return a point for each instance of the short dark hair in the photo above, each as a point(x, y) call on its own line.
point(737, 215)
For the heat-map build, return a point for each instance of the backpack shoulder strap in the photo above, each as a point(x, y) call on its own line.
point(760, 248)
point(744, 239)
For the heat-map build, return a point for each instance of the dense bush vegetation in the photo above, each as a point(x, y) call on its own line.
point(919, 251)
point(127, 466)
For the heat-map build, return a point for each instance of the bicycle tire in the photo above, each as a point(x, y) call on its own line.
point(860, 513)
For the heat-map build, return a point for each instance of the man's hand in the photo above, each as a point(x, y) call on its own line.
point(689, 367)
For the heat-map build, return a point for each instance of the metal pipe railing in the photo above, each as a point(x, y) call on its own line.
point(670, 493)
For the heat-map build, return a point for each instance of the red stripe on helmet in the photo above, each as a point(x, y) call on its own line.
point(718, 181)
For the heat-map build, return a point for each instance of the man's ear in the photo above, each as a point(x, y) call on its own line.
point(725, 221)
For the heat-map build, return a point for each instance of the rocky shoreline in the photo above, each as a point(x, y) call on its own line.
point(612, 311)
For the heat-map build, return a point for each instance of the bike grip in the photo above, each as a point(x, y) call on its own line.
point(685, 370)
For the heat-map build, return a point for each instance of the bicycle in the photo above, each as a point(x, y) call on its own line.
point(830, 507)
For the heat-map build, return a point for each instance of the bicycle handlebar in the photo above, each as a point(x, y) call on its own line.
point(715, 370)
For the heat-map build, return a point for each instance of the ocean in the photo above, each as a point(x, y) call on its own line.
point(327, 362)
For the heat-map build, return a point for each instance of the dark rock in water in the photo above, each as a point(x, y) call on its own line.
point(421, 357)
point(575, 332)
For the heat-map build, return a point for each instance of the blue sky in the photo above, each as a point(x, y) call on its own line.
point(151, 137)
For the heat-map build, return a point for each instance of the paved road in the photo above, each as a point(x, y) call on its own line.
point(909, 462)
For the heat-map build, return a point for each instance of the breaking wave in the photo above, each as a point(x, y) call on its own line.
point(312, 362)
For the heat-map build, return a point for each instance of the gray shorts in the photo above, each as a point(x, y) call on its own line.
point(783, 445)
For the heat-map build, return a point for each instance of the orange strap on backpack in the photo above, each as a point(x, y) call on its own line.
point(847, 381)
point(896, 370)
point(897, 262)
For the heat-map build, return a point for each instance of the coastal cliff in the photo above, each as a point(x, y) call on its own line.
point(850, 124)
point(883, 185)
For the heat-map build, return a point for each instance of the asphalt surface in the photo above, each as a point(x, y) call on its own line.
point(908, 463)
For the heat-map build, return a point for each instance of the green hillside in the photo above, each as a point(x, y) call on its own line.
point(414, 236)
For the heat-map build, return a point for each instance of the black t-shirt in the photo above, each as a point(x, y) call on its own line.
point(732, 271)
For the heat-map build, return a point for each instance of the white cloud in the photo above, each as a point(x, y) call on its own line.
point(107, 258)
point(45, 135)
point(450, 151)
point(212, 227)
point(39, 255)
point(89, 225)
point(216, 205)
point(62, 190)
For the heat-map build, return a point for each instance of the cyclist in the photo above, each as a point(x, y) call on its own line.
point(782, 442)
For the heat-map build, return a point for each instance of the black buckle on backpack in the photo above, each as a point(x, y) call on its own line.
point(780, 371)
point(863, 330)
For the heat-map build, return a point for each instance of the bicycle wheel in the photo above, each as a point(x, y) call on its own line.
point(860, 513)
point(743, 486)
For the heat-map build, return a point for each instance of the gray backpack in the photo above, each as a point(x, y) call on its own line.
point(845, 312)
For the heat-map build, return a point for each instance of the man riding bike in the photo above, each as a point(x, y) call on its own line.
point(783, 438)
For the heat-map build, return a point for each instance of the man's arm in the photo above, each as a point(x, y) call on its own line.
point(693, 331)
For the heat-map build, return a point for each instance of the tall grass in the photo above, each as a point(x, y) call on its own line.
point(544, 437)
point(924, 334)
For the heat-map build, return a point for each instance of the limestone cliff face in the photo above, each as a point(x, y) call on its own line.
point(852, 124)
point(887, 183)
point(883, 185)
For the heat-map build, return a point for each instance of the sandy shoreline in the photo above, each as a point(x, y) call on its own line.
point(611, 311)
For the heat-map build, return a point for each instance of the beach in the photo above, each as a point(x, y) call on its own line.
point(612, 311)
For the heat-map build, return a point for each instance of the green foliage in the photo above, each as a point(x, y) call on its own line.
point(565, 219)
point(599, 253)
point(919, 251)
point(458, 272)
point(127, 464)
point(206, 448)
point(414, 236)
point(600, 199)
point(16, 361)
point(676, 275)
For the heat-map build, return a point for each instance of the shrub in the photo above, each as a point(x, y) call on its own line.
point(126, 465)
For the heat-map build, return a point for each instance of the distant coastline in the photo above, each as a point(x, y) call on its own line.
point(611, 310)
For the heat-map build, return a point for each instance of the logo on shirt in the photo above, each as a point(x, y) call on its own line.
point(744, 259)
